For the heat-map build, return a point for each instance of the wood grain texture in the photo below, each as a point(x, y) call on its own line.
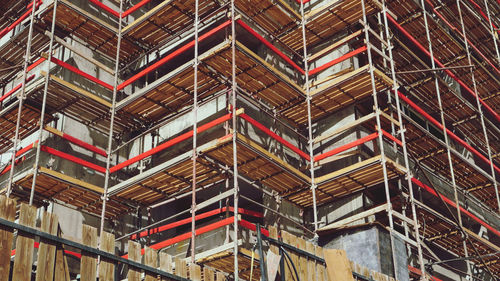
point(338, 265)
point(151, 259)
point(47, 251)
point(88, 262)
point(61, 270)
point(195, 272)
point(134, 254)
point(166, 263)
point(24, 245)
point(106, 268)
point(7, 212)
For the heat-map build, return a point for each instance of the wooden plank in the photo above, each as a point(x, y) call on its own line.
point(7, 212)
point(287, 237)
point(61, 269)
point(194, 272)
point(337, 265)
point(166, 263)
point(151, 259)
point(106, 268)
point(180, 268)
point(47, 251)
point(311, 264)
point(88, 262)
point(208, 274)
point(320, 267)
point(301, 244)
point(24, 245)
point(71, 180)
point(134, 254)
point(220, 277)
point(335, 45)
point(348, 169)
point(344, 128)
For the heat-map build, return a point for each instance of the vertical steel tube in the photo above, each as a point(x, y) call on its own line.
point(44, 103)
point(309, 117)
point(235, 154)
point(21, 99)
point(380, 138)
point(443, 123)
point(195, 134)
point(111, 125)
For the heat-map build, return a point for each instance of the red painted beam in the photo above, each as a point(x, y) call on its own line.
point(338, 60)
point(18, 21)
point(35, 64)
point(346, 147)
point(185, 236)
point(419, 272)
point(391, 137)
point(197, 217)
point(172, 55)
point(275, 136)
point(19, 153)
point(270, 46)
point(253, 227)
point(81, 73)
point(105, 8)
point(452, 203)
point(135, 8)
point(448, 132)
point(73, 159)
point(447, 71)
point(84, 145)
point(9, 93)
point(170, 143)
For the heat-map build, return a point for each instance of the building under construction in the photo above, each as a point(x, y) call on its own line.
point(250, 140)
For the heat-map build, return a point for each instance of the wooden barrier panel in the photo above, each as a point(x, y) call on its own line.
point(24, 245)
point(61, 269)
point(47, 251)
point(7, 212)
point(208, 274)
point(151, 259)
point(166, 264)
point(180, 268)
point(88, 263)
point(134, 254)
point(195, 272)
point(107, 268)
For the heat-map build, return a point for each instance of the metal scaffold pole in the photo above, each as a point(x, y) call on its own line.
point(44, 104)
point(309, 118)
point(235, 154)
point(111, 125)
point(380, 138)
point(20, 97)
point(405, 149)
point(494, 33)
point(443, 124)
point(195, 135)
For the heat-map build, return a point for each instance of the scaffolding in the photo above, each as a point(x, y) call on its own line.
point(245, 101)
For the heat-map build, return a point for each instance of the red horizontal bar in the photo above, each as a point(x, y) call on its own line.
point(419, 272)
point(9, 93)
point(253, 227)
point(275, 136)
point(105, 8)
point(18, 21)
point(269, 45)
point(391, 137)
point(451, 74)
point(81, 73)
point(448, 132)
point(346, 147)
point(35, 64)
point(170, 143)
point(337, 60)
point(172, 55)
point(37, 245)
point(197, 217)
point(452, 203)
point(135, 8)
point(73, 159)
point(19, 153)
point(187, 235)
point(84, 145)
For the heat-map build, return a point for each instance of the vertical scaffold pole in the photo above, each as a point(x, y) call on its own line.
point(443, 123)
point(479, 109)
point(21, 99)
point(494, 33)
point(44, 103)
point(111, 125)
point(380, 138)
point(309, 117)
point(195, 133)
point(235, 154)
point(405, 150)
